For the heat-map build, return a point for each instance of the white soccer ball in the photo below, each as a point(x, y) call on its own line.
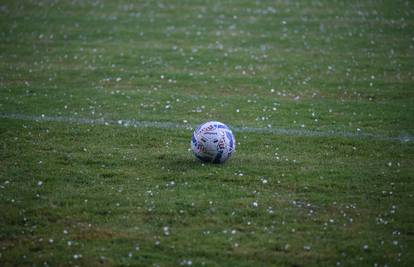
point(213, 142)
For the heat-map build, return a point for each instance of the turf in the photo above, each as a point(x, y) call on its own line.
point(96, 195)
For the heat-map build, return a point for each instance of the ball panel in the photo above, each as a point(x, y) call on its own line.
point(217, 159)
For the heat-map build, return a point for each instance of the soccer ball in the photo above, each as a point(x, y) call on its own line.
point(213, 142)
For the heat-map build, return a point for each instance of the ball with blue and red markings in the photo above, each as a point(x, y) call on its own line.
point(213, 141)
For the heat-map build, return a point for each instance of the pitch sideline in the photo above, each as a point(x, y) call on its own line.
point(171, 125)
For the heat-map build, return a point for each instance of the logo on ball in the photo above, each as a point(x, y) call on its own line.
point(213, 142)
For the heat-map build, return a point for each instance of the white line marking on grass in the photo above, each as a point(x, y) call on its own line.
point(171, 125)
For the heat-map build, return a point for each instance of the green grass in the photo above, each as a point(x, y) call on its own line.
point(136, 196)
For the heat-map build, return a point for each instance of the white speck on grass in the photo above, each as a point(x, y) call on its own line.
point(39, 183)
point(186, 262)
point(166, 230)
point(270, 210)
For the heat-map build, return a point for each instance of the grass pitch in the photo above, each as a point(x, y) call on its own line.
point(95, 195)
